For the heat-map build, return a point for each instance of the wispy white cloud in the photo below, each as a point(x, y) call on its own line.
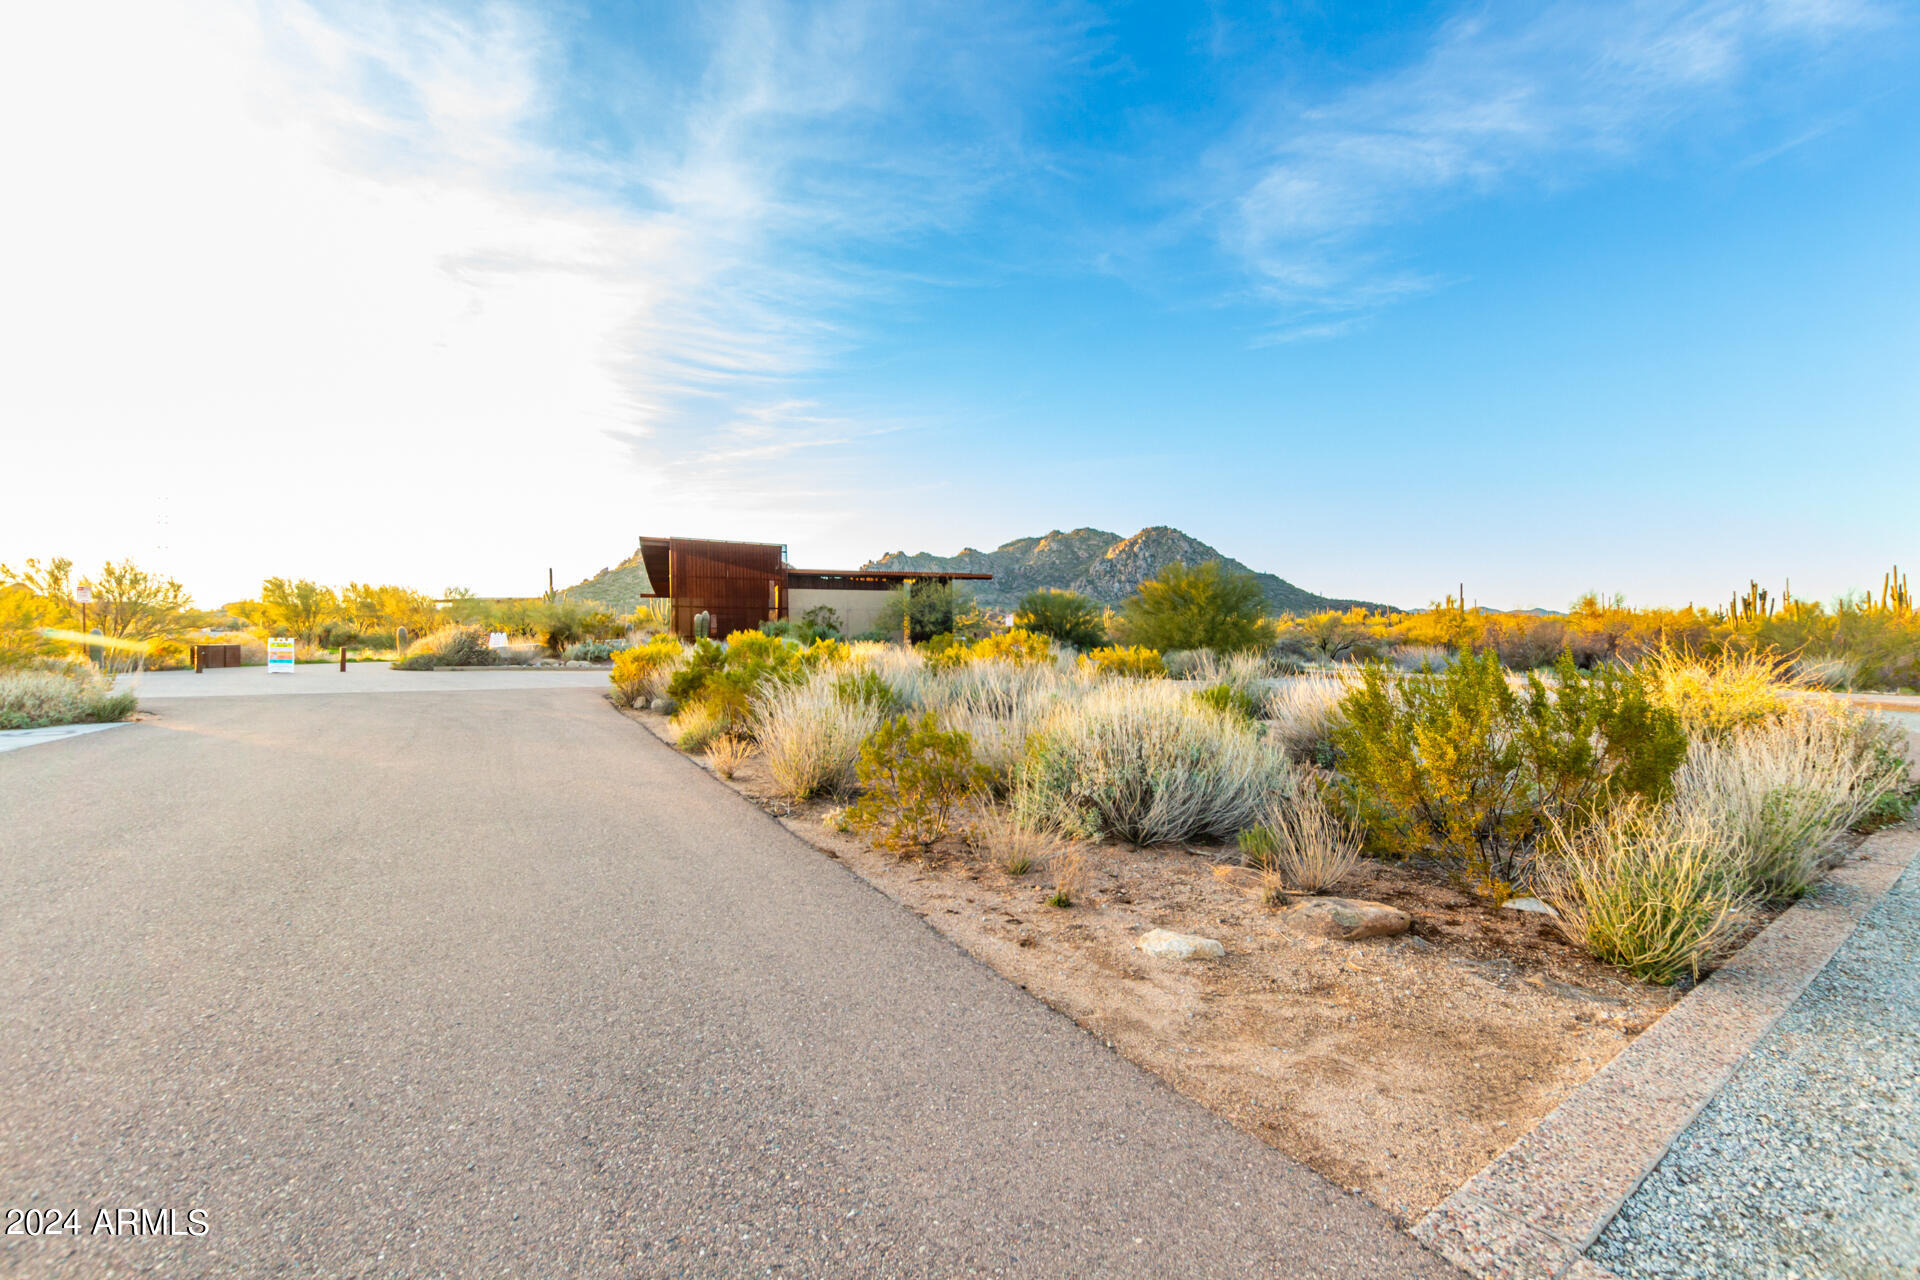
point(275, 228)
point(1307, 193)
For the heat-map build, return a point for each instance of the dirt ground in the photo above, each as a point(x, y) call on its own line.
point(1394, 1066)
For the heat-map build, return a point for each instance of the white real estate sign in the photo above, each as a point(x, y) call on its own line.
point(279, 654)
point(496, 639)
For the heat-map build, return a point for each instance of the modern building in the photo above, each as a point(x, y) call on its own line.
point(743, 584)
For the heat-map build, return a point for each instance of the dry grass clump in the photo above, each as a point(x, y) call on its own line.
point(1303, 846)
point(1781, 790)
point(697, 725)
point(726, 754)
point(1068, 866)
point(1139, 760)
point(904, 670)
point(1651, 889)
point(1302, 711)
point(810, 735)
point(1715, 696)
point(1016, 849)
point(998, 705)
point(38, 698)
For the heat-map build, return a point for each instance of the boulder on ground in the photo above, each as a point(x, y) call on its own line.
point(1169, 945)
point(1347, 919)
point(1529, 904)
point(664, 706)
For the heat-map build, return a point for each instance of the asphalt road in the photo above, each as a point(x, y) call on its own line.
point(492, 984)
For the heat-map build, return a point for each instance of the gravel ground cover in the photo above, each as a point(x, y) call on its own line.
point(1808, 1163)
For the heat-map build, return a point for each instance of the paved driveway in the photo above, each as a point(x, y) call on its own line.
point(492, 984)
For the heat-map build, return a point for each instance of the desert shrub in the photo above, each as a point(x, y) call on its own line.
point(588, 651)
point(1019, 647)
point(865, 688)
point(1301, 713)
point(1715, 696)
point(825, 621)
point(1300, 845)
point(1230, 701)
point(1457, 763)
point(935, 608)
point(1204, 608)
point(1647, 887)
point(727, 678)
point(1781, 790)
point(997, 705)
point(1136, 661)
point(1066, 616)
point(54, 693)
point(1141, 762)
point(916, 775)
point(1825, 671)
point(904, 670)
point(696, 725)
point(642, 673)
point(1416, 657)
point(456, 646)
point(727, 753)
point(811, 733)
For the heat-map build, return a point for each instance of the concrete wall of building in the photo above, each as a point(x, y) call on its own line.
point(858, 610)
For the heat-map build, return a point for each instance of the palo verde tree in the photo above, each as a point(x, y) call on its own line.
point(1066, 616)
point(1205, 608)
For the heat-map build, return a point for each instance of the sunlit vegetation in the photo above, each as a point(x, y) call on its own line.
point(1654, 795)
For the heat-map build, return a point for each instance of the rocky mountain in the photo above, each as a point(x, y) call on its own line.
point(1099, 564)
point(619, 588)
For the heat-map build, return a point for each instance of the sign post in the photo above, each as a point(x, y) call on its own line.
point(280, 655)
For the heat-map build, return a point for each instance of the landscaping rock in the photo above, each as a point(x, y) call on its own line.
point(665, 706)
point(1529, 904)
point(1347, 919)
point(1169, 945)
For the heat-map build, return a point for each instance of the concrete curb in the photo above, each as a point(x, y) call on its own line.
point(1533, 1213)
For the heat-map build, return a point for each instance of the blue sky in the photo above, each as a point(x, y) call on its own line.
point(1542, 297)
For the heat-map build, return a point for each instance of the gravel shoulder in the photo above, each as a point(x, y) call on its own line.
point(1808, 1162)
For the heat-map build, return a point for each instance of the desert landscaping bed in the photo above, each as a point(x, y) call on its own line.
point(1396, 1066)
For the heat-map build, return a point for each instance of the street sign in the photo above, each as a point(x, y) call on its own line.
point(280, 655)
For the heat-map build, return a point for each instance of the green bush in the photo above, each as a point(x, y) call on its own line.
point(915, 775)
point(1204, 608)
point(1459, 764)
point(38, 697)
point(1066, 616)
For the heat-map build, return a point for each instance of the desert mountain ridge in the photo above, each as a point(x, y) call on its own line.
point(1103, 565)
point(1096, 563)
